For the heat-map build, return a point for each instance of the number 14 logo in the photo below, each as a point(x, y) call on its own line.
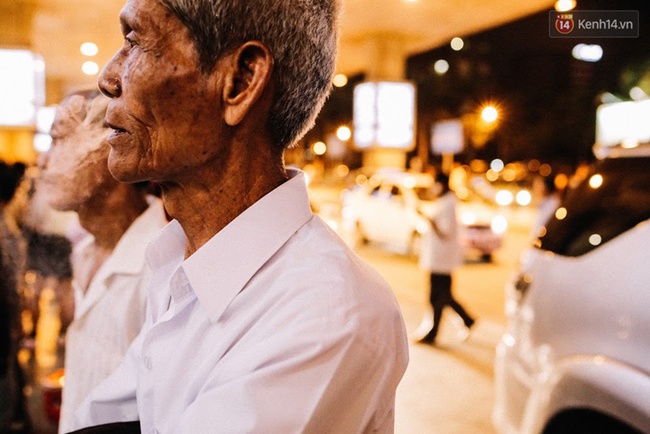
point(564, 23)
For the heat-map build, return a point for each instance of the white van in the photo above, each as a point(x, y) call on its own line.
point(576, 353)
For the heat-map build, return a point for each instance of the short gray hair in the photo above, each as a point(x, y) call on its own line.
point(301, 35)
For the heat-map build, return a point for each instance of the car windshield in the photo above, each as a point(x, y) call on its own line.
point(615, 197)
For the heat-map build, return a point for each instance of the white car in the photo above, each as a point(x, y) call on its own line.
point(576, 353)
point(389, 209)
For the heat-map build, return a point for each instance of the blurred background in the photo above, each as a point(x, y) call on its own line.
point(459, 57)
point(475, 88)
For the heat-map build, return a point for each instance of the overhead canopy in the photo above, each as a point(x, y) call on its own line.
point(59, 27)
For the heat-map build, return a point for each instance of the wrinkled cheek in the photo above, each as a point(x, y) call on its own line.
point(122, 161)
point(64, 182)
point(129, 161)
point(118, 166)
point(61, 172)
point(162, 155)
point(57, 190)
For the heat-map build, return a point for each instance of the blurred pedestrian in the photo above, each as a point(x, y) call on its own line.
point(262, 318)
point(441, 255)
point(109, 273)
point(548, 203)
point(13, 409)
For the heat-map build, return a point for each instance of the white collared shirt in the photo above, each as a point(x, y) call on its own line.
point(110, 313)
point(273, 326)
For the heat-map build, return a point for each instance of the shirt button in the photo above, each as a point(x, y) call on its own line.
point(147, 363)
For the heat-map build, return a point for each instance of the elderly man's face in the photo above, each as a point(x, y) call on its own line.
point(74, 169)
point(165, 111)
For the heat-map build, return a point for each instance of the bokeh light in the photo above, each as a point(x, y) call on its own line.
point(489, 113)
point(596, 181)
point(319, 148)
point(340, 80)
point(89, 49)
point(90, 68)
point(457, 44)
point(343, 133)
point(441, 66)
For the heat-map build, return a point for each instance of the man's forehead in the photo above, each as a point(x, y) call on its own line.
point(69, 114)
point(126, 14)
point(135, 11)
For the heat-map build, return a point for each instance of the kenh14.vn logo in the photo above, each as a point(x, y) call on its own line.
point(564, 23)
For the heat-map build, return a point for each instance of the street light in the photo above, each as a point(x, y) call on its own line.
point(489, 114)
point(481, 123)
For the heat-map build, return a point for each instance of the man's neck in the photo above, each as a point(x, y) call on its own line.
point(108, 217)
point(212, 198)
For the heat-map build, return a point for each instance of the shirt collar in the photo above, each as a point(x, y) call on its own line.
point(129, 253)
point(220, 269)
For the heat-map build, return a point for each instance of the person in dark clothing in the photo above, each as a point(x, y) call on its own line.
point(13, 411)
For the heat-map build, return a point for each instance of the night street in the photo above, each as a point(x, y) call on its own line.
point(449, 388)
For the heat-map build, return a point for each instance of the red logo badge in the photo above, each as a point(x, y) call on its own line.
point(564, 23)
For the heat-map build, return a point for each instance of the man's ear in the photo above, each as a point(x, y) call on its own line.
point(251, 65)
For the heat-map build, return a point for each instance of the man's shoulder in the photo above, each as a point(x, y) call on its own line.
point(318, 248)
point(316, 263)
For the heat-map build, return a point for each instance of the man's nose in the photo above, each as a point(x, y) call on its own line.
point(109, 80)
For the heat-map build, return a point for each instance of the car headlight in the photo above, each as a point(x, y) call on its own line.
point(499, 224)
point(523, 197)
point(504, 197)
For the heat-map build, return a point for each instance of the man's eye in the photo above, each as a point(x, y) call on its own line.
point(129, 41)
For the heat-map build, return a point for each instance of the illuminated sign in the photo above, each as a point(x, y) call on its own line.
point(384, 115)
point(22, 86)
point(623, 123)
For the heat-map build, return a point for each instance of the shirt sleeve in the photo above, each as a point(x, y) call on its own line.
point(114, 399)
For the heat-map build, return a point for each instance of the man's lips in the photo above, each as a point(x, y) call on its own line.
point(116, 128)
point(117, 133)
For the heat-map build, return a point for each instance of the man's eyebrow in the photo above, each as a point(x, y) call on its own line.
point(124, 26)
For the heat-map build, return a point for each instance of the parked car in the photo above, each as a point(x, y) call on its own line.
point(391, 209)
point(576, 353)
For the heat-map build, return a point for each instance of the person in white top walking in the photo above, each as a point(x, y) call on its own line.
point(441, 255)
point(260, 318)
point(109, 272)
point(549, 201)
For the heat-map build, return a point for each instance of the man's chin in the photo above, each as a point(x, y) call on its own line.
point(122, 174)
point(55, 203)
